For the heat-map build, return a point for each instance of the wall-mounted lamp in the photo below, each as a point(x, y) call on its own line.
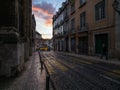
point(116, 6)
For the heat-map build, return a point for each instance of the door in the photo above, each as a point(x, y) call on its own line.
point(67, 45)
point(83, 45)
point(99, 41)
point(73, 44)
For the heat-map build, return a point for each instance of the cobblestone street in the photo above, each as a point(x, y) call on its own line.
point(32, 78)
point(73, 73)
point(66, 73)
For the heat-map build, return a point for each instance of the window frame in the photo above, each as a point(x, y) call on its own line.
point(100, 10)
point(83, 19)
point(82, 2)
point(72, 24)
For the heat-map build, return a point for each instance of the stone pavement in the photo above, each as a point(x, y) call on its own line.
point(93, 58)
point(32, 78)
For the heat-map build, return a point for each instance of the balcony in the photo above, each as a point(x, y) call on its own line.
point(83, 28)
point(73, 31)
point(59, 34)
point(61, 22)
point(57, 25)
point(65, 32)
point(66, 18)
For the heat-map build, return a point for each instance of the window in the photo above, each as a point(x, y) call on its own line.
point(73, 24)
point(67, 27)
point(82, 2)
point(72, 8)
point(82, 19)
point(72, 2)
point(7, 17)
point(100, 10)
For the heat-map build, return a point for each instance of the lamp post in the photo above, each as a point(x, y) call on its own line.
point(116, 6)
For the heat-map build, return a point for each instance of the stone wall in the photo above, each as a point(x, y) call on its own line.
point(117, 34)
point(11, 52)
point(15, 34)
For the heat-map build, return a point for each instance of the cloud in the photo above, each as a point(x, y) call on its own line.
point(48, 7)
point(45, 11)
point(48, 22)
point(41, 11)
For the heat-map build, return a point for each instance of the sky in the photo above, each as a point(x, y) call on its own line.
point(44, 11)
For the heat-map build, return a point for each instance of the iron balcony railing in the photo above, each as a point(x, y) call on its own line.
point(83, 28)
point(72, 31)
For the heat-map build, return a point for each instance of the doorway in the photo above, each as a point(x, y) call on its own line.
point(99, 41)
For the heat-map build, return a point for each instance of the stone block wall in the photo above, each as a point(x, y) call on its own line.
point(11, 56)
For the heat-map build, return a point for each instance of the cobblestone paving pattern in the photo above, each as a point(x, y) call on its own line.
point(70, 73)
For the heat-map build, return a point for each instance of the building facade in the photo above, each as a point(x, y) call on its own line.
point(84, 26)
point(33, 32)
point(117, 27)
point(38, 38)
point(15, 35)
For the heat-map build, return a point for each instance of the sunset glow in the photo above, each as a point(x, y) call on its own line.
point(44, 11)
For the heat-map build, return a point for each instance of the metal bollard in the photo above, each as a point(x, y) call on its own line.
point(48, 79)
point(47, 82)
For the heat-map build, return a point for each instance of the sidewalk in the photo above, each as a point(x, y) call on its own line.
point(32, 78)
point(93, 58)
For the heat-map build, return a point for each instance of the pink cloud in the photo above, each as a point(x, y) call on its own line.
point(48, 22)
point(44, 11)
point(38, 10)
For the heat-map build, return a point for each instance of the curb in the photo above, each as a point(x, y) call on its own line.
point(109, 61)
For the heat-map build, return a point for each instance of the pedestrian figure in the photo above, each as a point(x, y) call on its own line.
point(41, 62)
point(104, 51)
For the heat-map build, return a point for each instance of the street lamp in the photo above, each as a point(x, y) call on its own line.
point(116, 6)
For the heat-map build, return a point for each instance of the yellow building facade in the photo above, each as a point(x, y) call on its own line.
point(90, 25)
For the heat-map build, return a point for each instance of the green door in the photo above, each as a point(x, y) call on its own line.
point(99, 40)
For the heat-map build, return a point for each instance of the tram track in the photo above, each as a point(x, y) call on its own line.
point(95, 65)
point(104, 70)
point(73, 74)
point(63, 82)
